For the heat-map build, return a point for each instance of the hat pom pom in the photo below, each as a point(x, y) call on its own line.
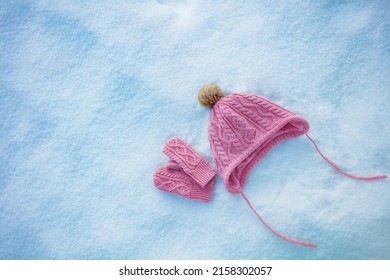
point(209, 94)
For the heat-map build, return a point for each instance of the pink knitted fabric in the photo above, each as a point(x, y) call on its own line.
point(192, 163)
point(176, 181)
point(242, 129)
point(187, 173)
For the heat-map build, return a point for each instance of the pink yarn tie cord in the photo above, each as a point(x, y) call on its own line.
point(274, 231)
point(343, 172)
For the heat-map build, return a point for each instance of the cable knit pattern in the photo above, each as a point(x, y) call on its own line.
point(182, 152)
point(192, 163)
point(261, 116)
point(187, 174)
point(242, 129)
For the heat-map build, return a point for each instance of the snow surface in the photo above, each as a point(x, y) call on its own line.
point(91, 90)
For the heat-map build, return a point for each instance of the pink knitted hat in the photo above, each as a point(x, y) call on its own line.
point(243, 128)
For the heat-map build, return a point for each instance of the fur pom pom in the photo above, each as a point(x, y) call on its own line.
point(209, 94)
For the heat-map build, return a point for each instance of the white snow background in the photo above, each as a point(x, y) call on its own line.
point(91, 90)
